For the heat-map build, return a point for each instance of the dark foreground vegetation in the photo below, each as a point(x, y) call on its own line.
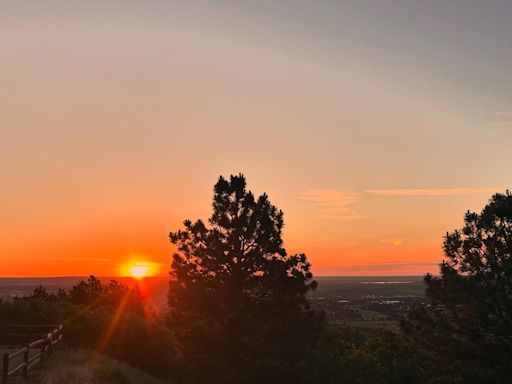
point(75, 365)
point(239, 313)
point(108, 318)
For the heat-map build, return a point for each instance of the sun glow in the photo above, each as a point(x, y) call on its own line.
point(139, 271)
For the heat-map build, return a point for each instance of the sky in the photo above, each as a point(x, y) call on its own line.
point(374, 125)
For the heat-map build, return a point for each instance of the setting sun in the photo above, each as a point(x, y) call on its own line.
point(139, 271)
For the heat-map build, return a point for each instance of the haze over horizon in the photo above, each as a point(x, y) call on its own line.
point(374, 126)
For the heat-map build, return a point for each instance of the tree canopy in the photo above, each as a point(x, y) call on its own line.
point(236, 295)
point(468, 319)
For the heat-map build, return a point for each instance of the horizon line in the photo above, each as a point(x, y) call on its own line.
point(165, 276)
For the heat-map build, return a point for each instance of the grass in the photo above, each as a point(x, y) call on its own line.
point(75, 366)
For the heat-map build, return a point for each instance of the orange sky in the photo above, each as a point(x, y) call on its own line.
point(374, 128)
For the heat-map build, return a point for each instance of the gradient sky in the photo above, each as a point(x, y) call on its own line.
point(374, 125)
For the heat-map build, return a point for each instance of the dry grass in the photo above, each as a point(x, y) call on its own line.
point(74, 366)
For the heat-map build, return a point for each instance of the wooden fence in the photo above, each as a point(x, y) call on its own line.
point(22, 360)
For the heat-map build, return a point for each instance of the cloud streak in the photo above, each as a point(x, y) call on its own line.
point(333, 204)
point(504, 113)
point(78, 259)
point(397, 242)
point(502, 120)
point(382, 266)
point(432, 191)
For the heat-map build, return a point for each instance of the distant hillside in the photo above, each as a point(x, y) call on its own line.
point(74, 366)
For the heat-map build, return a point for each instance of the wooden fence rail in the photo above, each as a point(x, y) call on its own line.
point(22, 360)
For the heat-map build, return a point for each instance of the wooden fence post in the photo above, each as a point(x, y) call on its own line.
point(24, 372)
point(5, 368)
point(43, 351)
point(50, 344)
point(45, 345)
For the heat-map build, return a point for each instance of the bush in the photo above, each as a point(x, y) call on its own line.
point(108, 318)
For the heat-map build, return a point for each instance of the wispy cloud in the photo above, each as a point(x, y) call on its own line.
point(500, 124)
point(78, 259)
point(334, 204)
point(504, 113)
point(382, 266)
point(397, 242)
point(433, 191)
point(501, 119)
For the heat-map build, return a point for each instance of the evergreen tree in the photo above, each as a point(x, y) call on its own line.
point(466, 326)
point(237, 298)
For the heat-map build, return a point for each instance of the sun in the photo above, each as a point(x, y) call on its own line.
point(139, 270)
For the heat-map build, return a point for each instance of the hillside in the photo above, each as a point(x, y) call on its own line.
point(74, 366)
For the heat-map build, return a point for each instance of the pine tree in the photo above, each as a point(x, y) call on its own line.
point(237, 298)
point(466, 325)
